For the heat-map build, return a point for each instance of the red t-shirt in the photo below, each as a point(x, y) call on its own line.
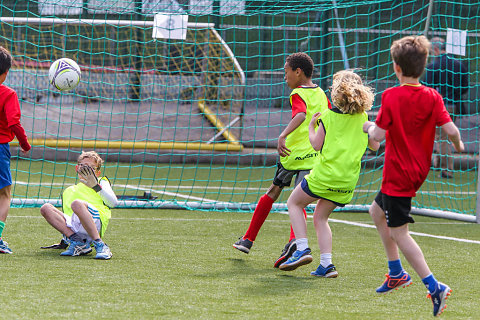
point(298, 105)
point(9, 113)
point(409, 114)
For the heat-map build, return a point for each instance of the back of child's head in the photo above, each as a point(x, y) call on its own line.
point(411, 54)
point(349, 94)
point(91, 155)
point(5, 60)
point(301, 60)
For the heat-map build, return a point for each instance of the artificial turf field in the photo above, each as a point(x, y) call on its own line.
point(179, 264)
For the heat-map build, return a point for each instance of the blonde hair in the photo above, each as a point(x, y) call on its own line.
point(349, 94)
point(91, 155)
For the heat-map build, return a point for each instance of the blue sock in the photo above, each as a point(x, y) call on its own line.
point(430, 282)
point(395, 267)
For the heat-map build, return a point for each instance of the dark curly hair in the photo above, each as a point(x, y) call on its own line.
point(303, 61)
point(5, 60)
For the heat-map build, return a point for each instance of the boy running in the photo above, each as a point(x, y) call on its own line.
point(407, 119)
point(341, 144)
point(86, 209)
point(10, 127)
point(297, 156)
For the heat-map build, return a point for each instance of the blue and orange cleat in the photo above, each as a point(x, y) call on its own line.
point(441, 293)
point(394, 283)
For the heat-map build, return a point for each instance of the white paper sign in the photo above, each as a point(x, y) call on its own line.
point(456, 41)
point(167, 26)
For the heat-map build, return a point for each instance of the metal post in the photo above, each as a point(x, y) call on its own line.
point(478, 190)
point(324, 49)
point(135, 78)
point(429, 17)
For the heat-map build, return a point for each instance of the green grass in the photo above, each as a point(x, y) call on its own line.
point(181, 265)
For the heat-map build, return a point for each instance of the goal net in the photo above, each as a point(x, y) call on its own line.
point(193, 122)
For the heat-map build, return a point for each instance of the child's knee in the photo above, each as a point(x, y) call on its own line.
point(46, 208)
point(76, 205)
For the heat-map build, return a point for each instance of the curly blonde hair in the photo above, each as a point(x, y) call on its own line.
point(349, 94)
point(91, 155)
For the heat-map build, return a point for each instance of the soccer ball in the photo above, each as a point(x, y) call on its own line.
point(64, 74)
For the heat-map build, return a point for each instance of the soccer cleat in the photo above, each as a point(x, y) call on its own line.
point(287, 252)
point(103, 251)
point(401, 281)
point(328, 272)
point(77, 248)
point(243, 245)
point(4, 247)
point(298, 258)
point(441, 293)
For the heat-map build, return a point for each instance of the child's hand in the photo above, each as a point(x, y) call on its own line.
point(460, 147)
point(314, 121)
point(367, 125)
point(282, 149)
point(88, 176)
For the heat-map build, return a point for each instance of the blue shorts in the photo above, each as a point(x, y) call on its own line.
point(5, 174)
point(307, 190)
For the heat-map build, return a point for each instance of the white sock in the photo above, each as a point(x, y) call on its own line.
point(325, 259)
point(302, 244)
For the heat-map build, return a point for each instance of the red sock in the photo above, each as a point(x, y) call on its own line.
point(292, 234)
point(261, 212)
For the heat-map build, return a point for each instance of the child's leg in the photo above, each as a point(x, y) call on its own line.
point(326, 269)
point(261, 212)
point(292, 234)
point(410, 250)
point(80, 208)
point(5, 197)
point(378, 217)
point(296, 203)
point(56, 219)
point(320, 220)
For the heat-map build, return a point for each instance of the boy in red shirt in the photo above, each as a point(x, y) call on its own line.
point(407, 120)
point(9, 128)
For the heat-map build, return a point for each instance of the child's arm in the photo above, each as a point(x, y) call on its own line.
point(373, 144)
point(316, 138)
point(107, 194)
point(374, 132)
point(19, 132)
point(103, 188)
point(296, 121)
point(454, 135)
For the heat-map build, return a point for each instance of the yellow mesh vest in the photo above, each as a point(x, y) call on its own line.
point(338, 167)
point(302, 156)
point(81, 192)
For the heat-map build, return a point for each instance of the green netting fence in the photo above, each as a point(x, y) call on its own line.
point(193, 122)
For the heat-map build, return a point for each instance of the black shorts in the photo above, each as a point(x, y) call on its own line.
point(283, 177)
point(397, 209)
